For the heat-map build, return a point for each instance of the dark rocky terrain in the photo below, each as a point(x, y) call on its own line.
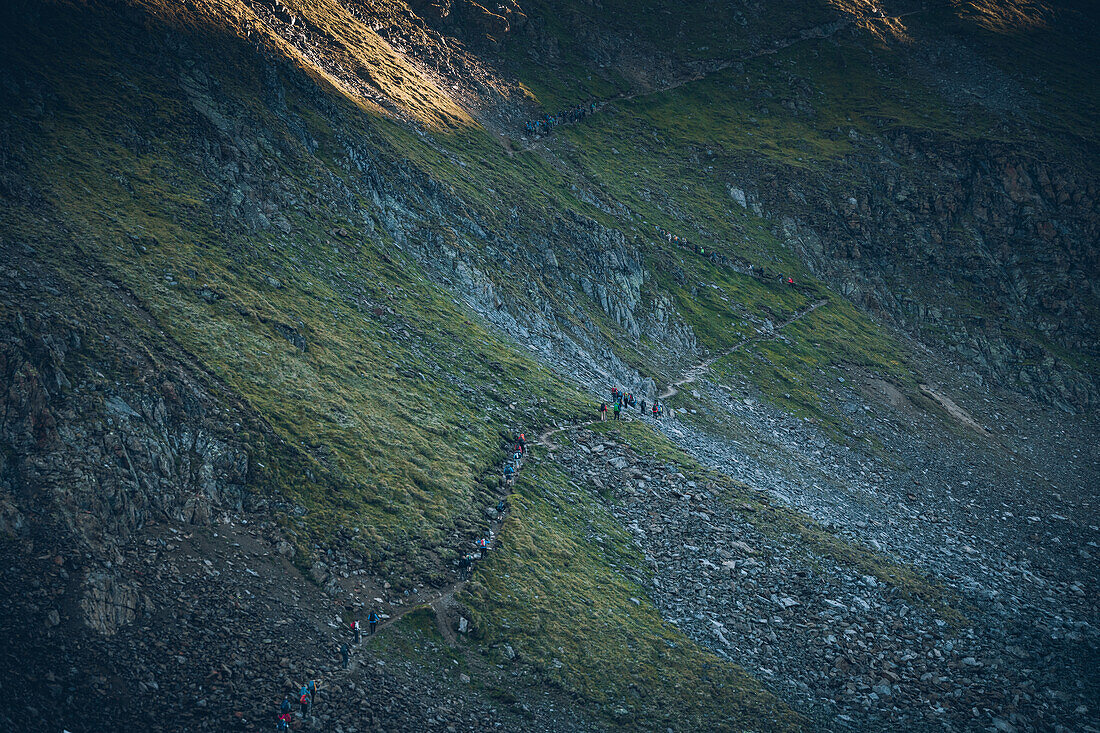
point(280, 282)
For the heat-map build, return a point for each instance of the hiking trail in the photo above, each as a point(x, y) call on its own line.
point(703, 367)
point(444, 598)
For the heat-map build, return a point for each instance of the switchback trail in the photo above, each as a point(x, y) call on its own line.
point(442, 598)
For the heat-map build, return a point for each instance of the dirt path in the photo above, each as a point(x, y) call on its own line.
point(544, 439)
point(810, 34)
point(442, 599)
point(702, 368)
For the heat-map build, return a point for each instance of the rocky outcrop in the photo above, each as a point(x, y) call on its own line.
point(976, 247)
point(97, 458)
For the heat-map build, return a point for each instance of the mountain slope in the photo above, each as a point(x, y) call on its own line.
point(282, 281)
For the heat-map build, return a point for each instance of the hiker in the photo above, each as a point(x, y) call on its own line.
point(304, 700)
point(502, 506)
point(641, 410)
point(311, 685)
point(656, 409)
point(373, 620)
point(284, 707)
point(603, 411)
point(345, 653)
point(483, 547)
point(509, 475)
point(523, 442)
point(284, 722)
point(618, 409)
point(790, 281)
point(358, 631)
point(614, 394)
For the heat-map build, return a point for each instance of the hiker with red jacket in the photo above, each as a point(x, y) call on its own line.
point(304, 700)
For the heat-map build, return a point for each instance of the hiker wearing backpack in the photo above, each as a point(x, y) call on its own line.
point(603, 411)
point(311, 685)
point(345, 653)
point(618, 409)
point(641, 408)
point(358, 632)
point(283, 723)
point(284, 707)
point(304, 700)
point(373, 620)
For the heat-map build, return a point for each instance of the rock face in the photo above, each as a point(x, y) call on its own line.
point(98, 460)
point(1011, 238)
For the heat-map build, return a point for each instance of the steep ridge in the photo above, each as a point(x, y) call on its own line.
point(275, 298)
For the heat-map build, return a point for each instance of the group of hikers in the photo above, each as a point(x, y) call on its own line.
point(307, 698)
point(621, 400)
point(307, 695)
point(716, 258)
point(679, 241)
point(516, 452)
point(545, 124)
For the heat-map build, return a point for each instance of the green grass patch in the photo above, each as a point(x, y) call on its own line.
point(560, 591)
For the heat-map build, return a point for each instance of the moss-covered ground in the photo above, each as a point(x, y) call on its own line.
point(566, 592)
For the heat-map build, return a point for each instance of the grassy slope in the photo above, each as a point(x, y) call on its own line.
point(383, 424)
point(377, 402)
point(396, 417)
point(567, 595)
